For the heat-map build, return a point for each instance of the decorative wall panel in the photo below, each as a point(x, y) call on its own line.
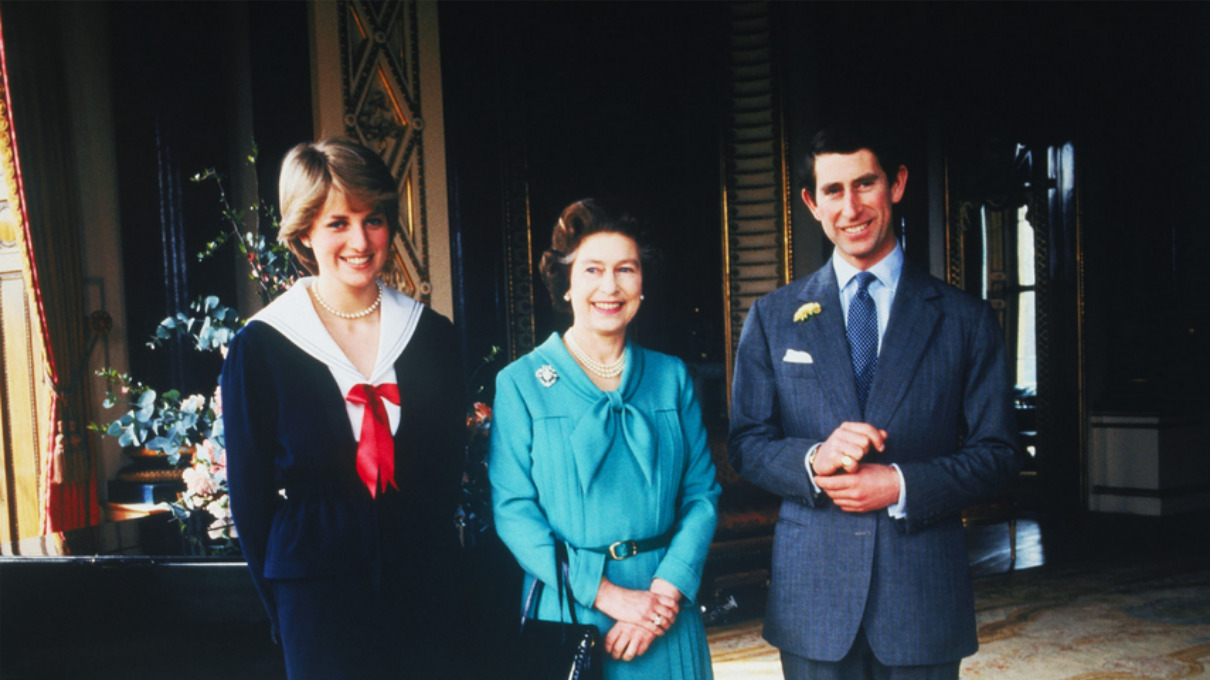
point(381, 90)
point(756, 210)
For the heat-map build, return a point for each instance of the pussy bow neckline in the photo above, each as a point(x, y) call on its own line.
point(596, 428)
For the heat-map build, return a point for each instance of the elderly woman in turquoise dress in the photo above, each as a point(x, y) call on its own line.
point(598, 443)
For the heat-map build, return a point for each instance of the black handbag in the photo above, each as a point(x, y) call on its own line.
point(556, 650)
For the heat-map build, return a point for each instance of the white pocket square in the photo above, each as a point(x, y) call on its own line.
point(797, 356)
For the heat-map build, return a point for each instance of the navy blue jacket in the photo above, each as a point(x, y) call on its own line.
point(287, 429)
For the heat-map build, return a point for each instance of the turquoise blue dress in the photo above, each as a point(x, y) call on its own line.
point(590, 467)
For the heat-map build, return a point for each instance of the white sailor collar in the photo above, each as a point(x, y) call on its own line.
point(293, 315)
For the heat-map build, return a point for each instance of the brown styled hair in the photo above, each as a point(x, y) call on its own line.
point(579, 220)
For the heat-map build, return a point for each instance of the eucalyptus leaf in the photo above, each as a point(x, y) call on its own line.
point(147, 398)
point(205, 335)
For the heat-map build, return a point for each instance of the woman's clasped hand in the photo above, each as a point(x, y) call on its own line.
point(641, 615)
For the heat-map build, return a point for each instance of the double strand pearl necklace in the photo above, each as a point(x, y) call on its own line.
point(314, 288)
point(607, 371)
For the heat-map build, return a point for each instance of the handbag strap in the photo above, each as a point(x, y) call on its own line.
point(563, 587)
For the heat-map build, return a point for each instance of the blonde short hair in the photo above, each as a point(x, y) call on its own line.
point(311, 171)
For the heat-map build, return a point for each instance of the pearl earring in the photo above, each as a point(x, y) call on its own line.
point(567, 296)
point(642, 297)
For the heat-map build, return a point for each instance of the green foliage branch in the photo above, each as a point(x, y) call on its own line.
point(172, 425)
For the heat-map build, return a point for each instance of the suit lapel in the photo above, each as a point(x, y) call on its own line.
point(824, 337)
point(914, 315)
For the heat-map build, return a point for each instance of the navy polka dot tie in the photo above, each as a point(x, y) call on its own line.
point(863, 336)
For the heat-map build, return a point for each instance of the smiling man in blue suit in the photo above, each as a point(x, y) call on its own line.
point(875, 400)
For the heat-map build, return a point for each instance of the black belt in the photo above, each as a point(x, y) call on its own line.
point(626, 549)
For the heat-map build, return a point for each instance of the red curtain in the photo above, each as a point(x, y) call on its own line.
point(31, 59)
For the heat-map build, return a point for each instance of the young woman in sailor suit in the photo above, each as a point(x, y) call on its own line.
point(344, 424)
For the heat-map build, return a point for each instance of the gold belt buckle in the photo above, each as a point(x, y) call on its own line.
point(630, 546)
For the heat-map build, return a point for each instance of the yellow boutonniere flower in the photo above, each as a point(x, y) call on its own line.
point(807, 311)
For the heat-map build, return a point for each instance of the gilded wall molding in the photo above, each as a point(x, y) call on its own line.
point(518, 246)
point(957, 222)
point(388, 84)
point(381, 94)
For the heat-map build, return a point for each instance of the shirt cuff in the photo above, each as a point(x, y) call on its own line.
point(806, 461)
point(897, 511)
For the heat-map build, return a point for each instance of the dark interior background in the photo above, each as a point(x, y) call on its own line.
point(614, 101)
point(627, 101)
point(181, 106)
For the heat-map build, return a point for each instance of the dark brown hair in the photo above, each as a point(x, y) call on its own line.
point(850, 136)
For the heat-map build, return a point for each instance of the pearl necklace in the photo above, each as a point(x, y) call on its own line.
point(607, 371)
point(314, 288)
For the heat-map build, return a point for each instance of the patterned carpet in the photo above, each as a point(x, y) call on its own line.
point(738, 653)
point(1137, 620)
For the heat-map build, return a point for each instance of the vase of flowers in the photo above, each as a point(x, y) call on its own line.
point(203, 509)
point(159, 433)
point(179, 439)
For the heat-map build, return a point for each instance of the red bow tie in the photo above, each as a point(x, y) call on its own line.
point(376, 449)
